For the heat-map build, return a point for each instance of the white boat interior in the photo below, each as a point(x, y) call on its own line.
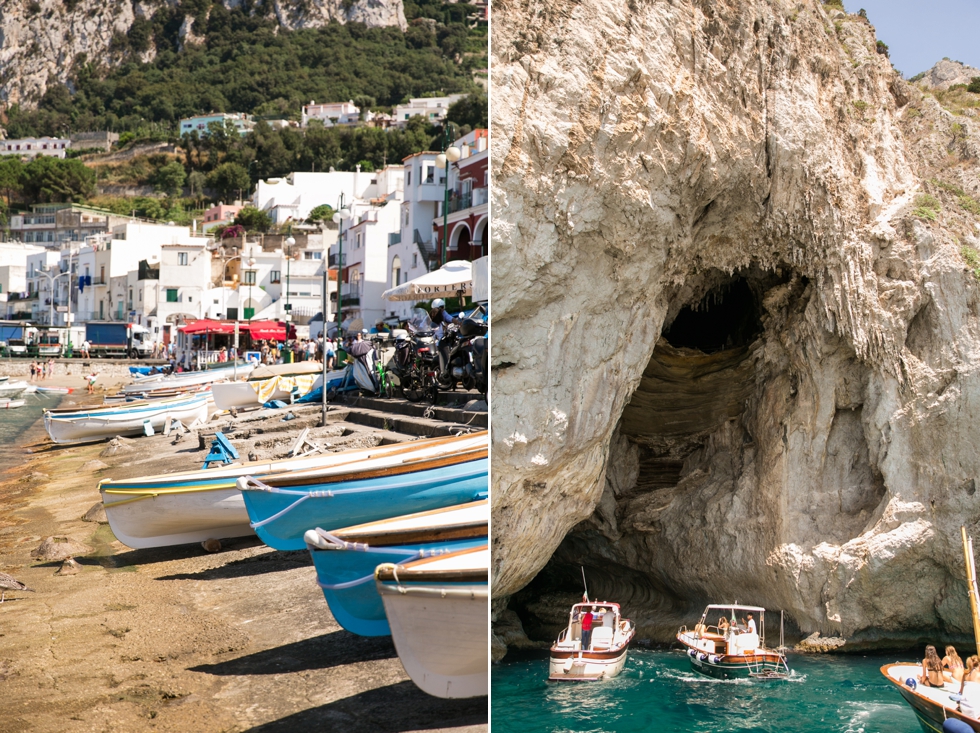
point(947, 696)
point(456, 521)
point(609, 630)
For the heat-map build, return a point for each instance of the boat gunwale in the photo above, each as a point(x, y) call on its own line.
point(925, 700)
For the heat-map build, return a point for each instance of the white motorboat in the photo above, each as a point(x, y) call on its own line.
point(603, 654)
point(9, 390)
point(7, 404)
point(438, 611)
point(732, 649)
point(86, 425)
point(193, 506)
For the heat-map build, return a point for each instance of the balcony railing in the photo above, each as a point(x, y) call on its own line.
point(333, 260)
point(458, 201)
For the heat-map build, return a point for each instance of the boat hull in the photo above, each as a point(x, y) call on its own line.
point(280, 519)
point(441, 635)
point(96, 425)
point(733, 667)
point(931, 705)
point(163, 519)
point(585, 666)
point(359, 608)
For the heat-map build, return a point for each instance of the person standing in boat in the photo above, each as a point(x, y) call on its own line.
point(751, 625)
point(587, 629)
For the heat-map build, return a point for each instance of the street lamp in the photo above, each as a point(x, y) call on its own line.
point(289, 257)
point(251, 281)
point(446, 158)
point(342, 215)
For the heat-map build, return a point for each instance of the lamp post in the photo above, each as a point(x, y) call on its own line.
point(289, 257)
point(449, 155)
point(342, 215)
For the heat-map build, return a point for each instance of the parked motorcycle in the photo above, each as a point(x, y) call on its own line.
point(463, 355)
point(415, 364)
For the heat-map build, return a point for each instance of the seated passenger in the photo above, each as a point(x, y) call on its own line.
point(932, 669)
point(722, 625)
point(953, 663)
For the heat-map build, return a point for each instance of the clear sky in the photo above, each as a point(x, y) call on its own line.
point(920, 33)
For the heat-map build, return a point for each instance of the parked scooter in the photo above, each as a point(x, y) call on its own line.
point(415, 364)
point(463, 354)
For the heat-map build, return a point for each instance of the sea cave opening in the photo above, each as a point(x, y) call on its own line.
point(727, 316)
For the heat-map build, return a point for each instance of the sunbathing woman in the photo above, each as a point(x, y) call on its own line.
point(953, 663)
point(971, 678)
point(932, 669)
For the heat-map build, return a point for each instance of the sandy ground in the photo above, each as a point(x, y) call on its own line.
point(176, 639)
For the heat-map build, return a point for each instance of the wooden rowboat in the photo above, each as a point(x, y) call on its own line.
point(345, 559)
point(192, 506)
point(438, 610)
point(732, 651)
point(86, 425)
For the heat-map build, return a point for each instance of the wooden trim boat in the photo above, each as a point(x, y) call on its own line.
point(283, 506)
point(86, 425)
point(606, 654)
point(192, 506)
point(731, 652)
point(345, 559)
point(438, 611)
point(62, 390)
point(934, 705)
point(185, 380)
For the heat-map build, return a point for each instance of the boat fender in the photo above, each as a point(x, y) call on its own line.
point(691, 652)
point(954, 725)
point(702, 656)
point(714, 658)
point(910, 683)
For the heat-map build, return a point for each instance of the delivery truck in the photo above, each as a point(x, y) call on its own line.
point(117, 339)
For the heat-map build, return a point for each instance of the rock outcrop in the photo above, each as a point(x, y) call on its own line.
point(946, 73)
point(45, 39)
point(736, 333)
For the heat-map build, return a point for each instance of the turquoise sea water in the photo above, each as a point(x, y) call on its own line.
point(657, 691)
point(22, 426)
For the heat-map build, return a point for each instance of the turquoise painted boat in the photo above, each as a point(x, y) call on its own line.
point(345, 559)
point(283, 507)
point(192, 506)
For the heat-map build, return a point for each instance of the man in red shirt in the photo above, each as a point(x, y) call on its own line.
point(587, 629)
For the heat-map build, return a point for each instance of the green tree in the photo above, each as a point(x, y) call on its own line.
point(229, 180)
point(11, 170)
point(196, 182)
point(46, 179)
point(169, 179)
point(323, 212)
point(470, 111)
point(253, 219)
point(974, 85)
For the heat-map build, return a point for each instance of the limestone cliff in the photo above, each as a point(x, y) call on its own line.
point(946, 73)
point(736, 334)
point(44, 39)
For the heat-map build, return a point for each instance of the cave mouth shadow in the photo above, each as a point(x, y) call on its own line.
point(729, 315)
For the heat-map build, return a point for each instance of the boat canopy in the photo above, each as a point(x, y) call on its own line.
point(733, 607)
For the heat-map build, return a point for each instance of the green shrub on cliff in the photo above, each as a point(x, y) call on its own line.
point(927, 207)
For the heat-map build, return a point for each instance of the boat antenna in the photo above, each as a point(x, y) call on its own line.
point(971, 580)
point(584, 584)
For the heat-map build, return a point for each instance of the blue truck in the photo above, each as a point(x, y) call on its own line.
point(115, 338)
point(15, 337)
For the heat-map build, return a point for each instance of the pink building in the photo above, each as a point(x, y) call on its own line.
point(220, 214)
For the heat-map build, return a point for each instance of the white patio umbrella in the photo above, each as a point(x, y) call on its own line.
point(452, 279)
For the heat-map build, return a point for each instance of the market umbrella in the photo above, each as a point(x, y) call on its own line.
point(452, 279)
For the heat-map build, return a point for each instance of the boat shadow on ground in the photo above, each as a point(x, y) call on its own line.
point(152, 555)
point(391, 709)
point(268, 562)
point(335, 649)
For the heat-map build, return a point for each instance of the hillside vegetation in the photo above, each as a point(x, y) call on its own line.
point(248, 63)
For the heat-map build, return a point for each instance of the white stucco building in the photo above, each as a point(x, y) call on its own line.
point(296, 195)
point(433, 109)
point(331, 113)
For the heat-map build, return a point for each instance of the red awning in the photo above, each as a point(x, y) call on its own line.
point(206, 325)
point(266, 329)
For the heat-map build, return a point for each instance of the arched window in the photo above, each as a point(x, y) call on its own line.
point(396, 271)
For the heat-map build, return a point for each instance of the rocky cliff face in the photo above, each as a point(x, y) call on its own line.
point(736, 334)
point(44, 39)
point(946, 73)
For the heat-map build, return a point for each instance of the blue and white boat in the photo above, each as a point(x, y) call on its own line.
point(86, 425)
point(193, 506)
point(345, 559)
point(282, 507)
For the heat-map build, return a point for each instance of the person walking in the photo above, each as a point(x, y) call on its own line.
point(34, 370)
point(50, 367)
